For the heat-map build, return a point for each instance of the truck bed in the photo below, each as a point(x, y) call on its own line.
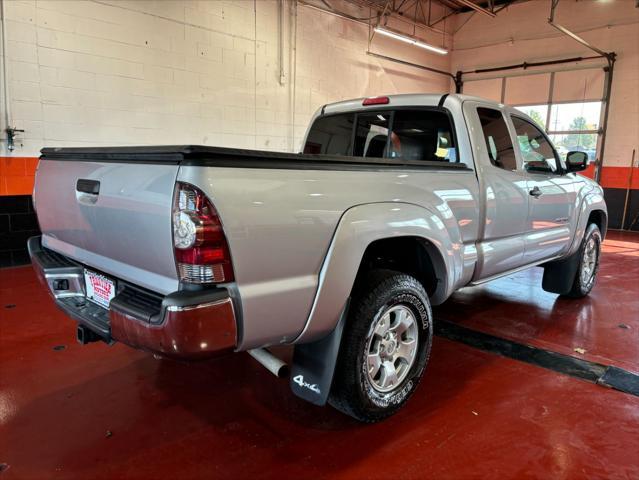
point(202, 155)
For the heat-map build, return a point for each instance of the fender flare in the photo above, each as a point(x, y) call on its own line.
point(360, 226)
point(593, 200)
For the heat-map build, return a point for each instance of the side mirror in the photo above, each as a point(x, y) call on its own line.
point(576, 161)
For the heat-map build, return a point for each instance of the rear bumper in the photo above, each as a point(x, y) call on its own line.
point(184, 324)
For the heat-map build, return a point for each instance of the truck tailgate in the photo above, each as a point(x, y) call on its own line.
point(124, 229)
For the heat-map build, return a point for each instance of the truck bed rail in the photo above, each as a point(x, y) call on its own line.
point(201, 155)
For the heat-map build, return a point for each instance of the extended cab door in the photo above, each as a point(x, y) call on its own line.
point(503, 188)
point(551, 194)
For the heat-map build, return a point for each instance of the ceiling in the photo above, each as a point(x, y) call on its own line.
point(430, 13)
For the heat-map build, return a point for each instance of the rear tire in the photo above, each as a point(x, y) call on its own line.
point(385, 347)
point(589, 253)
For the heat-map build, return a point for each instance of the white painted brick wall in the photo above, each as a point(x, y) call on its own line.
point(140, 72)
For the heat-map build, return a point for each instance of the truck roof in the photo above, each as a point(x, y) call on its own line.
point(401, 100)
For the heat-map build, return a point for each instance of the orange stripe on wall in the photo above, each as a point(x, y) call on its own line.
point(17, 175)
point(589, 172)
point(619, 177)
point(615, 177)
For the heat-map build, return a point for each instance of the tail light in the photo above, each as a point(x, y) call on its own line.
point(201, 251)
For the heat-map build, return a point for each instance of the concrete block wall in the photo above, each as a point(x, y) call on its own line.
point(139, 72)
point(136, 72)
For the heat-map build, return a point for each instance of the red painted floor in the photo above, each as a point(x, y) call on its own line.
point(515, 307)
point(107, 412)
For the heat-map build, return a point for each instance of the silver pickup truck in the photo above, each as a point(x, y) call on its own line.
point(395, 203)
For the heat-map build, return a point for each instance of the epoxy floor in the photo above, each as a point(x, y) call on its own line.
point(68, 411)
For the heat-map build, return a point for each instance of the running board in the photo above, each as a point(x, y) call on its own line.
point(514, 270)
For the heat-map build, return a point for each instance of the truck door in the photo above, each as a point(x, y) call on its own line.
point(503, 188)
point(551, 194)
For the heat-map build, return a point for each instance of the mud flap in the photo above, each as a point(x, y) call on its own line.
point(314, 364)
point(560, 274)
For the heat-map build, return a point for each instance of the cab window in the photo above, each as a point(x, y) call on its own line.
point(497, 137)
point(422, 135)
point(536, 151)
point(403, 134)
point(371, 135)
point(331, 135)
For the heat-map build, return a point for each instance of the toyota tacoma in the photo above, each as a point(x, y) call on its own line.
point(394, 203)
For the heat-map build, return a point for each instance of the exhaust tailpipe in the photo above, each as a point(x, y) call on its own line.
point(273, 364)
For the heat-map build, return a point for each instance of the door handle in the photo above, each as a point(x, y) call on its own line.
point(85, 185)
point(536, 192)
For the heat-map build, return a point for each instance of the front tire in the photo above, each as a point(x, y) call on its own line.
point(589, 253)
point(385, 347)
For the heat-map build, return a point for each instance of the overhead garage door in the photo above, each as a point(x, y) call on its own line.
point(567, 104)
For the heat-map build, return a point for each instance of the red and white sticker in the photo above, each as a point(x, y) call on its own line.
point(100, 289)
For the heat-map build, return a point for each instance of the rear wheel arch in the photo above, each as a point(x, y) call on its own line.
point(413, 255)
point(358, 228)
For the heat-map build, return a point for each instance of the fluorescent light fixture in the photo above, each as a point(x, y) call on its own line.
point(411, 41)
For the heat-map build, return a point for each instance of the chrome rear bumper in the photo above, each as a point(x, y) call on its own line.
point(184, 324)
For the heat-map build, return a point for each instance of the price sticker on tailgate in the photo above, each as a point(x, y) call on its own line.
point(100, 289)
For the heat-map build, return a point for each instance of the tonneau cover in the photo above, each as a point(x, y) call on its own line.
point(229, 157)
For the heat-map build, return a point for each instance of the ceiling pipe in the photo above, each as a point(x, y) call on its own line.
point(551, 20)
point(4, 74)
point(410, 64)
point(526, 65)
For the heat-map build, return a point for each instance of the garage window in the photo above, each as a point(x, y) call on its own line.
point(575, 126)
point(571, 126)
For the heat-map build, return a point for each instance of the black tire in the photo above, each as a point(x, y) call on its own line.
point(353, 392)
point(580, 286)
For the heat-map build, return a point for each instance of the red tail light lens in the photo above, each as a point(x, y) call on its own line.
point(201, 250)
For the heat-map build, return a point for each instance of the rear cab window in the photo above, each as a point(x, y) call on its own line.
point(420, 134)
point(423, 135)
point(331, 135)
point(371, 135)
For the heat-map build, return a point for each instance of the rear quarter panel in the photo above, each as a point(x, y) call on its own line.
point(280, 224)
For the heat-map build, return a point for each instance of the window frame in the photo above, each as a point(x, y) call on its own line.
point(560, 166)
point(519, 166)
point(392, 110)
